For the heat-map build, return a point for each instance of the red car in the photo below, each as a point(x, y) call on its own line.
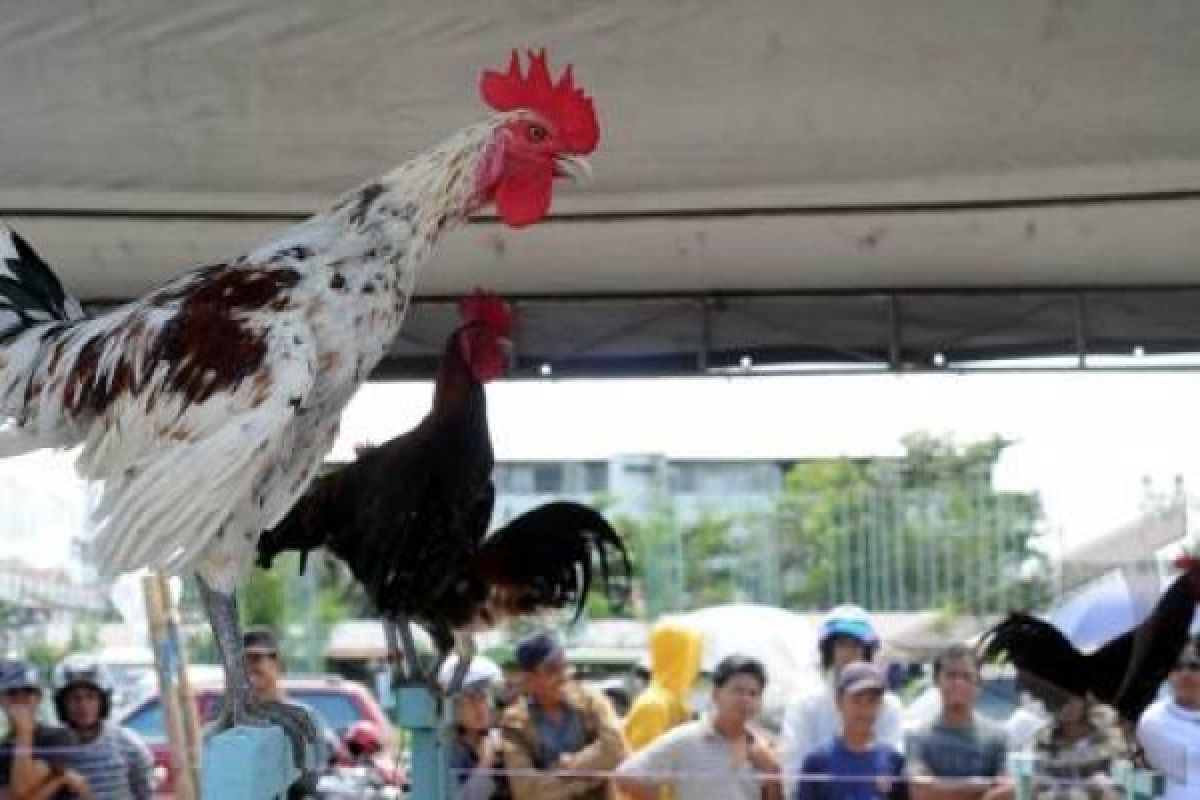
point(339, 703)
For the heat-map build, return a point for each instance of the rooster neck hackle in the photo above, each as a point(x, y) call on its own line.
point(455, 390)
point(400, 216)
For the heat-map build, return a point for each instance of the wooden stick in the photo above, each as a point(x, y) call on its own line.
point(166, 659)
point(183, 685)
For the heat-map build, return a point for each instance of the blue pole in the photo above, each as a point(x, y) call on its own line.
point(246, 763)
point(419, 712)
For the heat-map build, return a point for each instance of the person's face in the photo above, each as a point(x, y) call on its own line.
point(847, 650)
point(860, 709)
point(264, 670)
point(739, 700)
point(547, 681)
point(958, 683)
point(1072, 710)
point(27, 698)
point(83, 707)
point(474, 710)
point(1185, 679)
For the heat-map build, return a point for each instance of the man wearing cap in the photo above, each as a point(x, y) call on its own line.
point(474, 753)
point(265, 667)
point(854, 766)
point(32, 756)
point(560, 734)
point(812, 719)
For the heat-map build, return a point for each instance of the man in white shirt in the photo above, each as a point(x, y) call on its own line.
point(1169, 730)
point(812, 720)
point(718, 757)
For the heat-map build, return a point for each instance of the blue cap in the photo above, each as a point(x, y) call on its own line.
point(539, 648)
point(18, 675)
point(849, 621)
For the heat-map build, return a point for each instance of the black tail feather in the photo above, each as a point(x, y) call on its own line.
point(30, 292)
point(1037, 649)
point(546, 558)
point(1125, 673)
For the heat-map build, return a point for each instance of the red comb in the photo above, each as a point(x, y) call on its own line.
point(1186, 562)
point(488, 309)
point(567, 107)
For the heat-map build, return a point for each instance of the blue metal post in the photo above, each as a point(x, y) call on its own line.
point(1021, 767)
point(1139, 784)
point(247, 763)
point(418, 711)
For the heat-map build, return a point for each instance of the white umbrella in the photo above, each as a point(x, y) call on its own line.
point(785, 642)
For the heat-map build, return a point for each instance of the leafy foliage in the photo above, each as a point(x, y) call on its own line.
point(926, 530)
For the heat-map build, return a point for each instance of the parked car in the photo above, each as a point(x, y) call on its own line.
point(339, 703)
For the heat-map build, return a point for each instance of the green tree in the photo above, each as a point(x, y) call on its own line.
point(681, 565)
point(262, 600)
point(925, 530)
point(711, 557)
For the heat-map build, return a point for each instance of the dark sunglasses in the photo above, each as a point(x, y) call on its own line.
point(1188, 666)
point(22, 691)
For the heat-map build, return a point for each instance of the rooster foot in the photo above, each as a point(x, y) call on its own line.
point(296, 723)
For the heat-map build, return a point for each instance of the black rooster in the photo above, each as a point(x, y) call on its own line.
point(1125, 673)
point(410, 517)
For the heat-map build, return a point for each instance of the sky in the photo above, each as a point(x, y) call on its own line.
point(1084, 440)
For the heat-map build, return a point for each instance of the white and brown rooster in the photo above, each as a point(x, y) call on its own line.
point(205, 408)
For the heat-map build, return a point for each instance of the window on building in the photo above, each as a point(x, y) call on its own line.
point(514, 478)
point(547, 478)
point(681, 478)
point(595, 477)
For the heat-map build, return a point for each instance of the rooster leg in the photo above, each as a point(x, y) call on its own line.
point(465, 647)
point(399, 628)
point(240, 707)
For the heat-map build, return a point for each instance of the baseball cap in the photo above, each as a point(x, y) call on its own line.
point(18, 675)
point(482, 673)
point(860, 676)
point(260, 640)
point(539, 648)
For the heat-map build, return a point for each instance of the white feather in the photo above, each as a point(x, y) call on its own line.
point(189, 483)
point(7, 249)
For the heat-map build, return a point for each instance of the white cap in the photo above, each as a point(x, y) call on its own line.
point(482, 670)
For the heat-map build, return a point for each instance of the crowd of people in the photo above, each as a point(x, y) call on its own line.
point(842, 739)
point(86, 756)
point(556, 738)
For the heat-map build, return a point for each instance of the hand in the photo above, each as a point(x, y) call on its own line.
point(23, 717)
point(761, 756)
point(487, 753)
point(78, 784)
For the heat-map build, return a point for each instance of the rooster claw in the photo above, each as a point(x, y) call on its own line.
point(296, 723)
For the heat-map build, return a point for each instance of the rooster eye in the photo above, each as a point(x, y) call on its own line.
point(536, 133)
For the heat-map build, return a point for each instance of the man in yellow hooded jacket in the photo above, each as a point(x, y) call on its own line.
point(674, 664)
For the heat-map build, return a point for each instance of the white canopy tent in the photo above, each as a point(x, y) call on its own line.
point(831, 182)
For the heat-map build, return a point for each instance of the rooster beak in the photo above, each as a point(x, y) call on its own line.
point(577, 168)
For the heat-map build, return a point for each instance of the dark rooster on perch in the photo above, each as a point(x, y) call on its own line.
point(205, 408)
point(1125, 673)
point(410, 517)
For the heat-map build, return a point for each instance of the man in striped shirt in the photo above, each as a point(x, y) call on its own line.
point(115, 761)
point(1078, 750)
